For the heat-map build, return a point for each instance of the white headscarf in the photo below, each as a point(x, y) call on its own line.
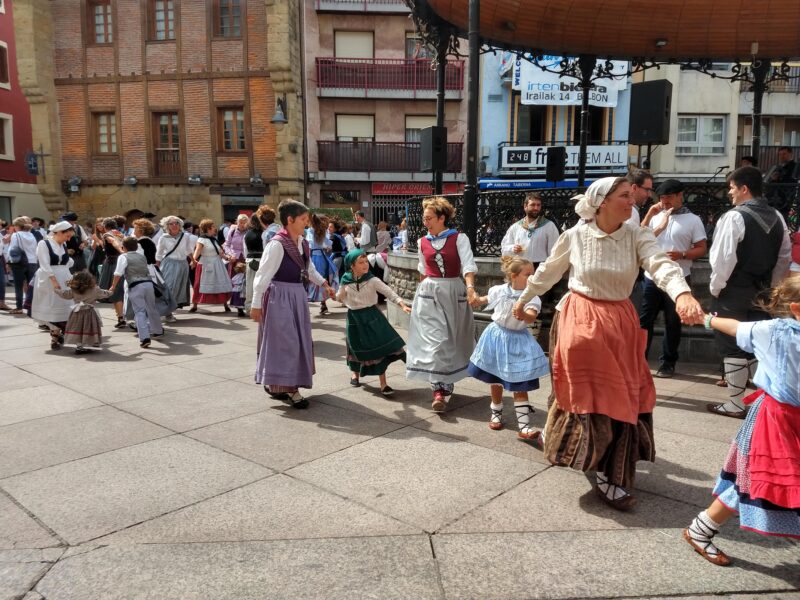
point(590, 201)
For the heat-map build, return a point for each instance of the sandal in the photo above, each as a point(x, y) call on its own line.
point(496, 420)
point(16, 311)
point(277, 395)
point(387, 391)
point(55, 340)
point(533, 436)
point(297, 401)
point(438, 405)
point(720, 558)
point(721, 383)
point(622, 503)
point(194, 308)
point(719, 409)
point(355, 382)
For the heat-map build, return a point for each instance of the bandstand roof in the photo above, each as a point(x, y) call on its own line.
point(693, 29)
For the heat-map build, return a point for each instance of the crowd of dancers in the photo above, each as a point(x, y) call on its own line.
point(600, 416)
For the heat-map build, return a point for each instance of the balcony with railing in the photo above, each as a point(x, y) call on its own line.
point(767, 155)
point(789, 86)
point(360, 6)
point(362, 159)
point(386, 78)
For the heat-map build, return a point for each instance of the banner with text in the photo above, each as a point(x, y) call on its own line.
point(542, 87)
point(534, 158)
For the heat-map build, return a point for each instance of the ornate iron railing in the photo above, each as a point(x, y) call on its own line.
point(497, 211)
point(389, 74)
point(767, 155)
point(389, 157)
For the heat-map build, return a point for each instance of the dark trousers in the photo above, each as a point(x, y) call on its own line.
point(653, 302)
point(23, 273)
point(736, 303)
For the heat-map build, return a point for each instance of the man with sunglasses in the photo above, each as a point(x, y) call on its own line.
point(533, 236)
point(641, 190)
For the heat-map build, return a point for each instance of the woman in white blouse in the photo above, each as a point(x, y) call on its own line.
point(602, 419)
point(54, 264)
point(173, 249)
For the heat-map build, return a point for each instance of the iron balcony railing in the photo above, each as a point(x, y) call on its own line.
point(497, 211)
point(767, 155)
point(376, 6)
point(376, 74)
point(790, 86)
point(383, 157)
point(168, 162)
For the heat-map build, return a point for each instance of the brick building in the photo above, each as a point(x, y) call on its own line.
point(18, 191)
point(370, 89)
point(167, 105)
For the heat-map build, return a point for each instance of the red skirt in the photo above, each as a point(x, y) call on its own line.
point(774, 457)
point(200, 298)
point(599, 365)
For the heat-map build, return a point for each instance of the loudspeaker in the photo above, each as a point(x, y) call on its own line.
point(650, 108)
point(433, 149)
point(556, 163)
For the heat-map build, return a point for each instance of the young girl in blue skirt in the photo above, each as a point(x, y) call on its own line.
point(507, 355)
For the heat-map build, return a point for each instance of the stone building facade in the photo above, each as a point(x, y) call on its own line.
point(168, 105)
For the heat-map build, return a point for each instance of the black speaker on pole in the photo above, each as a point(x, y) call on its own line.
point(433, 149)
point(556, 163)
point(651, 102)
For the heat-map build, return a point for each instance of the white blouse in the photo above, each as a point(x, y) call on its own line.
point(210, 251)
point(166, 243)
point(464, 254)
point(604, 265)
point(366, 294)
point(270, 262)
point(502, 299)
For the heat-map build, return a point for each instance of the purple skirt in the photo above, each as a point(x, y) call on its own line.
point(285, 349)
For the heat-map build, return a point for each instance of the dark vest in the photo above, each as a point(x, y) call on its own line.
point(449, 259)
point(54, 258)
point(757, 253)
point(289, 271)
point(149, 249)
point(253, 243)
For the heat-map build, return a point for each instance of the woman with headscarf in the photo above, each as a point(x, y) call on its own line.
point(602, 416)
point(53, 273)
point(372, 343)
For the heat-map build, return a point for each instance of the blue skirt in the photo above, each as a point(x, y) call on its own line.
point(511, 358)
point(325, 267)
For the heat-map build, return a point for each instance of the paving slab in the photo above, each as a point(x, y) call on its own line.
point(158, 379)
point(685, 469)
point(14, 378)
point(21, 569)
point(557, 499)
point(20, 530)
point(232, 366)
point(347, 569)
point(94, 496)
point(275, 508)
point(471, 422)
point(182, 410)
point(34, 355)
point(24, 404)
point(102, 365)
point(687, 415)
point(421, 478)
point(603, 564)
point(285, 437)
point(65, 437)
point(410, 403)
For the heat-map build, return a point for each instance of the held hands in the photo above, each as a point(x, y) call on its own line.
point(406, 308)
point(689, 309)
point(473, 298)
point(330, 291)
point(519, 311)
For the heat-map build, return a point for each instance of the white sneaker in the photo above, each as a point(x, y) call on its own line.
point(170, 319)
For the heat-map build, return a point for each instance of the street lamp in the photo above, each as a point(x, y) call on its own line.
point(279, 118)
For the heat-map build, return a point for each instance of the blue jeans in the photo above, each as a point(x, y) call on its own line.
point(23, 273)
point(653, 302)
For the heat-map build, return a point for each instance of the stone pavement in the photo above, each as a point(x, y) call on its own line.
point(166, 473)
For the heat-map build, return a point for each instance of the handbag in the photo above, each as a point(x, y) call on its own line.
point(254, 264)
point(16, 255)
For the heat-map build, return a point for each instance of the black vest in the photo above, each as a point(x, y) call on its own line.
point(757, 253)
point(253, 243)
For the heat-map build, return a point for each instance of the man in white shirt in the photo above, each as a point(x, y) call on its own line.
point(533, 236)
point(641, 189)
point(368, 238)
point(751, 253)
point(682, 236)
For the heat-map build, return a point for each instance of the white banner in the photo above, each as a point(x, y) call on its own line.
point(535, 157)
point(542, 87)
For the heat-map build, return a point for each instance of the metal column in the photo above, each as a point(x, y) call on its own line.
point(441, 65)
point(761, 69)
point(470, 220)
point(586, 64)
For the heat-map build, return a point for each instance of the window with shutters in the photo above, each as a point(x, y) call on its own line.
point(231, 129)
point(101, 26)
point(415, 124)
point(162, 20)
point(355, 128)
point(227, 18)
point(105, 133)
point(166, 137)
